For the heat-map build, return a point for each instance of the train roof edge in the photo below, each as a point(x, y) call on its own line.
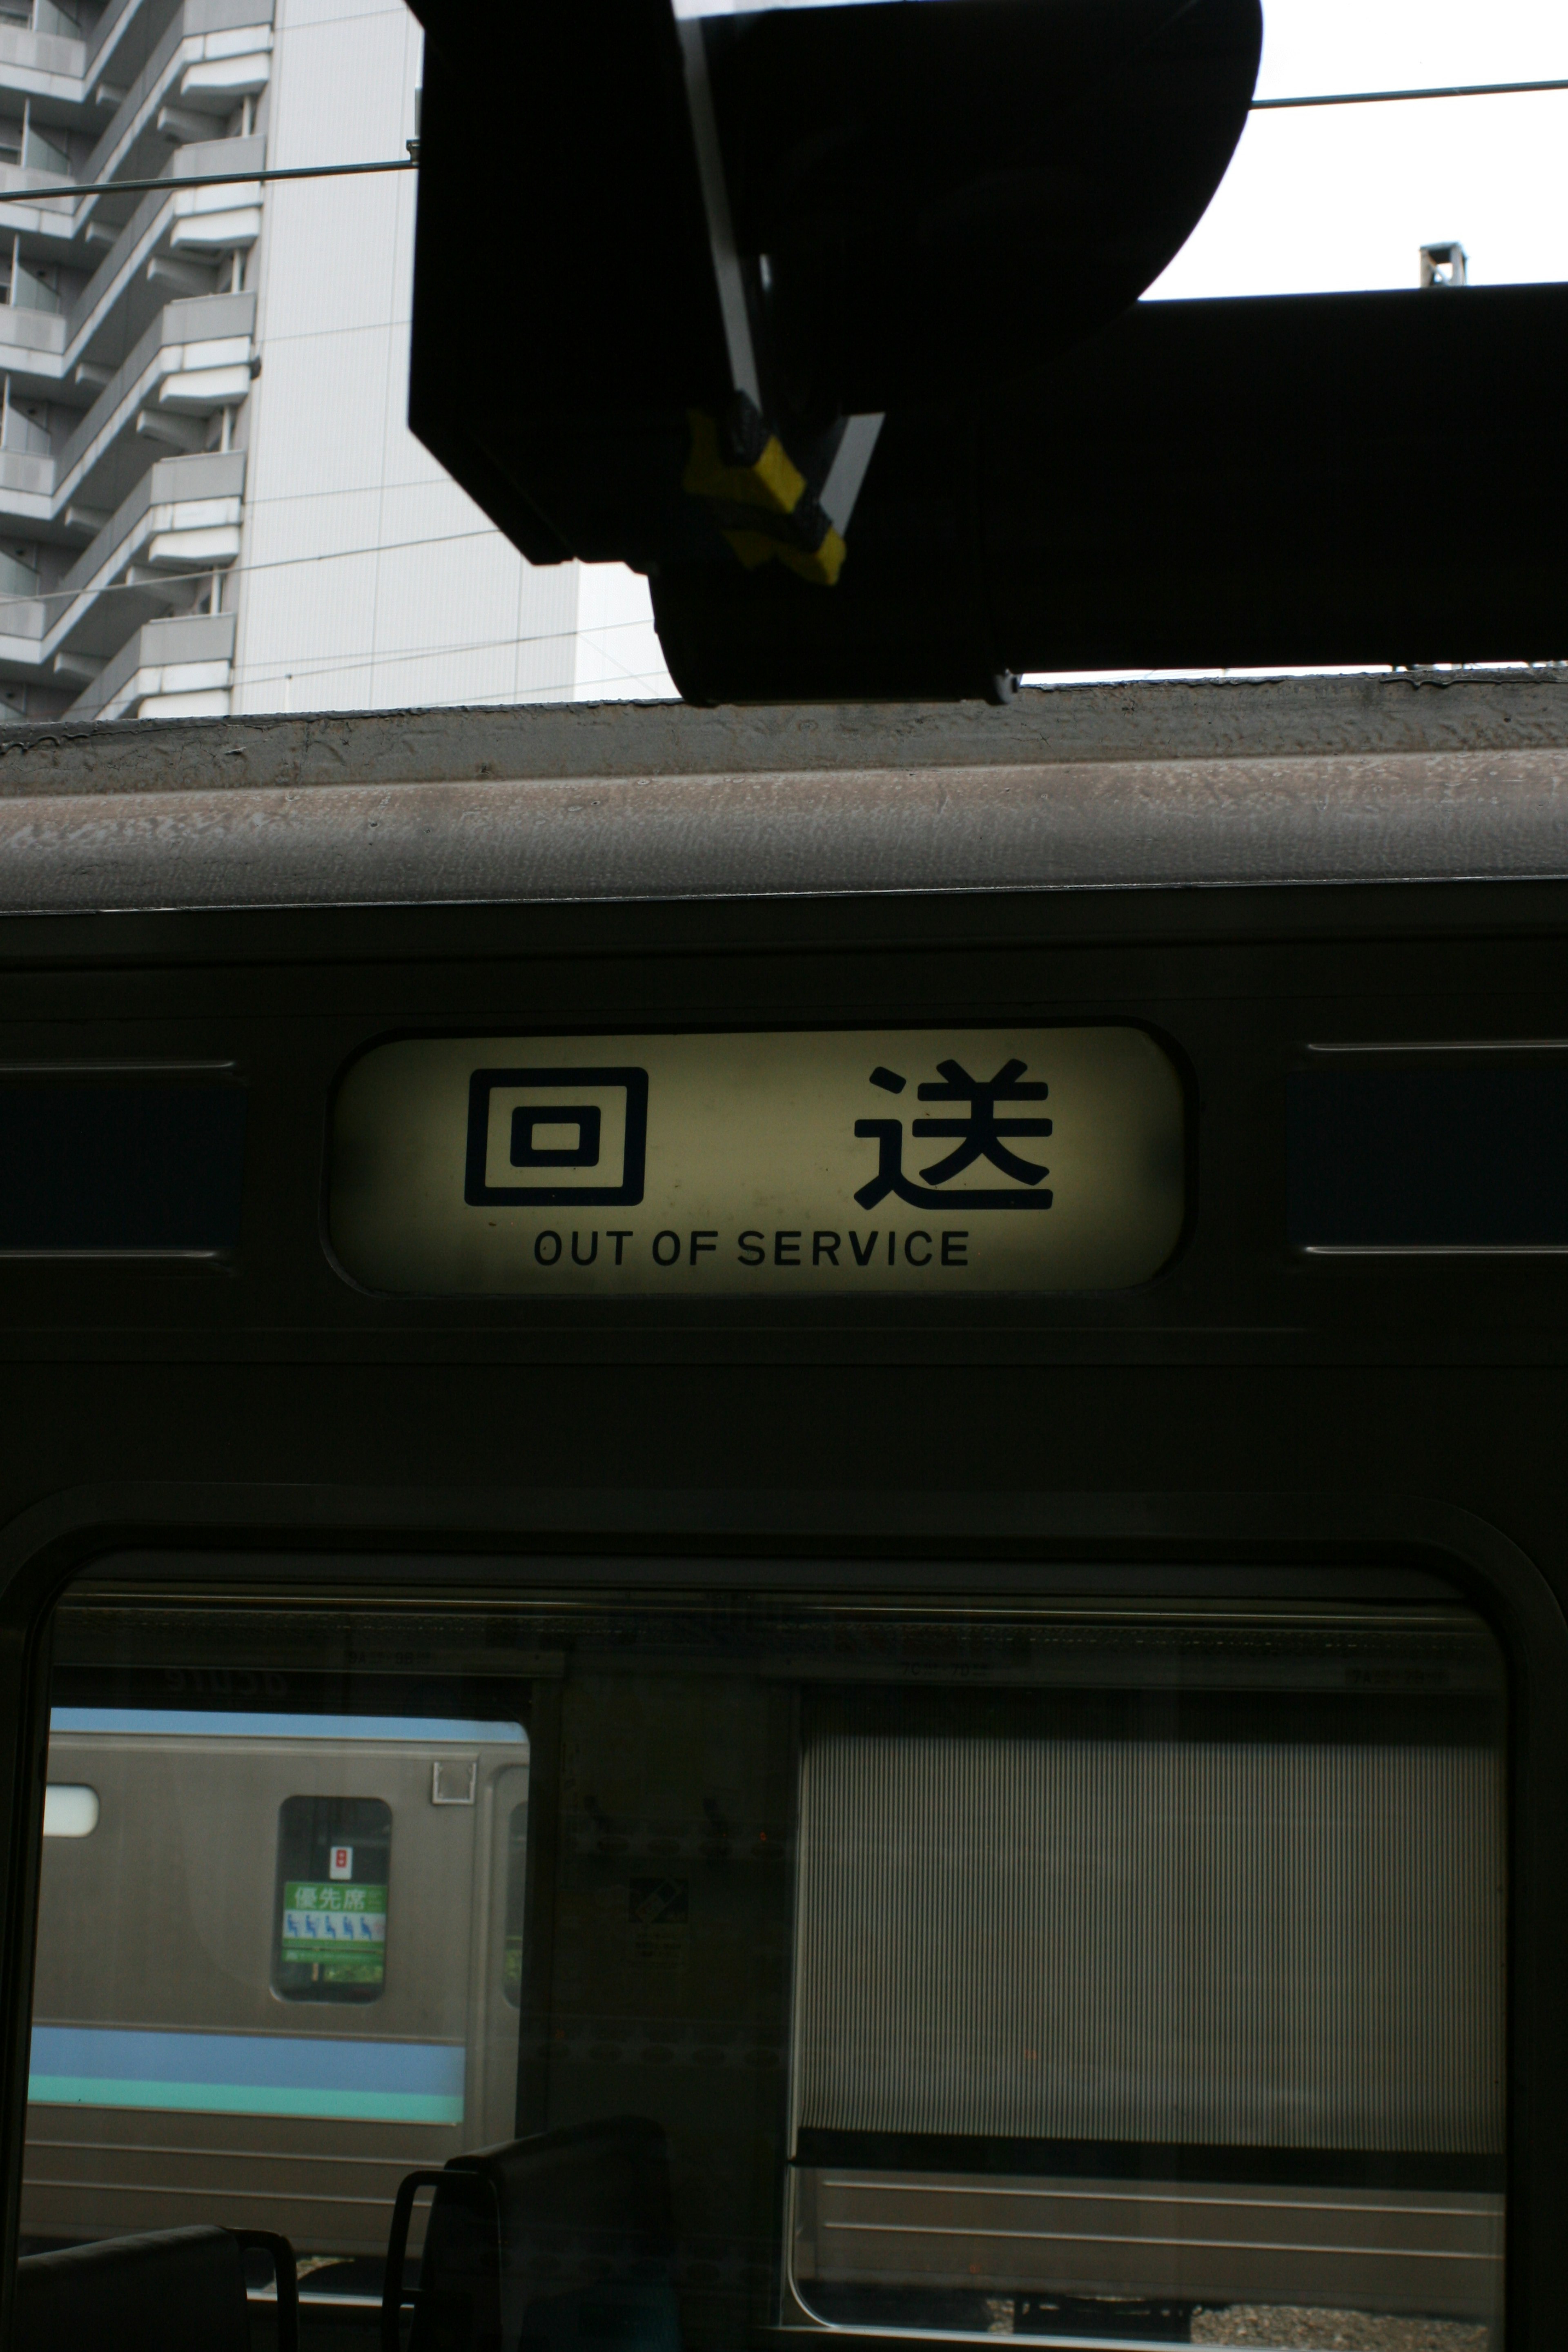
point(1413, 776)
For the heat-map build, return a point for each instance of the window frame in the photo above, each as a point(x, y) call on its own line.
point(1143, 1547)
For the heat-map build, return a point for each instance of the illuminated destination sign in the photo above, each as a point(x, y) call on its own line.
point(784, 1163)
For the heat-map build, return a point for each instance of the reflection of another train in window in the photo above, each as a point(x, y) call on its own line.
point(1165, 2022)
point(1132, 1974)
point(230, 2017)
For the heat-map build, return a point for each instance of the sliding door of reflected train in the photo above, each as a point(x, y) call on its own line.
point(976, 1952)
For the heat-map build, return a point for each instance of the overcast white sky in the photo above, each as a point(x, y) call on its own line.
point(1336, 197)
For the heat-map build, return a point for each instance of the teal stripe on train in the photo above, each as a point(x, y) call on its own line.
point(335, 2078)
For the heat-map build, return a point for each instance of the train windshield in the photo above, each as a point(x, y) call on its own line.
point(555, 1966)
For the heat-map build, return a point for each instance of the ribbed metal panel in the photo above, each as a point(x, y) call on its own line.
point(1376, 2250)
point(1267, 1946)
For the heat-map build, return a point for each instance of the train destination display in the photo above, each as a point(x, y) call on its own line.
point(783, 1163)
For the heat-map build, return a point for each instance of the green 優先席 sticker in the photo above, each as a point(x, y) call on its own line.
point(338, 1929)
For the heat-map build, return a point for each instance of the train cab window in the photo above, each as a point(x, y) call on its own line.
point(1102, 1960)
point(334, 1859)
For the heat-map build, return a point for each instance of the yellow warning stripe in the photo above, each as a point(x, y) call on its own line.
point(774, 481)
point(821, 565)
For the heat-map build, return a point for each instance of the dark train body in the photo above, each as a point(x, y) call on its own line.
point(1041, 1733)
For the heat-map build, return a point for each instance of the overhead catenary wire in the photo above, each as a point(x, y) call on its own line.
point(1393, 97)
point(307, 669)
point(171, 185)
point(304, 671)
point(358, 661)
point(411, 162)
point(87, 594)
point(307, 665)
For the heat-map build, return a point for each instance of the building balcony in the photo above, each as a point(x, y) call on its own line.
point(148, 341)
point(195, 359)
point(120, 43)
point(27, 486)
point(177, 668)
point(113, 65)
point(30, 339)
point(180, 524)
point(208, 222)
point(24, 624)
point(175, 243)
point(41, 65)
point(203, 223)
point(213, 54)
point(187, 509)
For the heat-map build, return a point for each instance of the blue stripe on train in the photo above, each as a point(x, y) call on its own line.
point(247, 2073)
point(182, 1722)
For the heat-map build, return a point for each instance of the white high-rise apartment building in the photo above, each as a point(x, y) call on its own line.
point(209, 499)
